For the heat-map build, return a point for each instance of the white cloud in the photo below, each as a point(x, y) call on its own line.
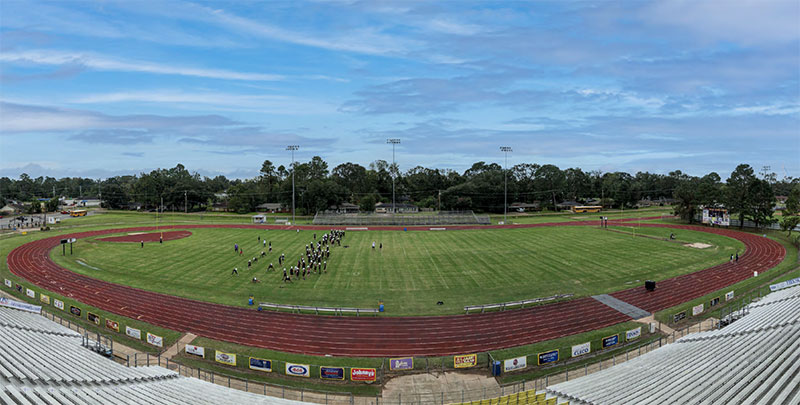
point(104, 63)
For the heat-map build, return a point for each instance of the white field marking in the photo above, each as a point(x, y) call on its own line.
point(86, 265)
point(435, 265)
point(137, 233)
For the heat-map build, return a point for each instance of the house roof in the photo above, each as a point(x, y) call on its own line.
point(398, 205)
point(269, 206)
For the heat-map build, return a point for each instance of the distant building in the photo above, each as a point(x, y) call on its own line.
point(567, 205)
point(522, 207)
point(271, 208)
point(344, 208)
point(12, 208)
point(383, 208)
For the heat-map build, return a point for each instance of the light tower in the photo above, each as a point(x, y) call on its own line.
point(505, 150)
point(393, 141)
point(293, 148)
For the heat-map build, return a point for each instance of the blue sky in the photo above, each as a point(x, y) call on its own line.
point(118, 87)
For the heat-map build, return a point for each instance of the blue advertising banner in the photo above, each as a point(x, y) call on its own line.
point(548, 357)
point(260, 364)
point(331, 373)
point(404, 363)
point(610, 341)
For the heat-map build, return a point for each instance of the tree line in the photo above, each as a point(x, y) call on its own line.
point(480, 188)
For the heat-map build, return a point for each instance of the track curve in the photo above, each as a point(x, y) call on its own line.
point(381, 336)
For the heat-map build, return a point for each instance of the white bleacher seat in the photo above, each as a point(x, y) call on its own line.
point(754, 360)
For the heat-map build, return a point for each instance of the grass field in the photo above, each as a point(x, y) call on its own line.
point(410, 274)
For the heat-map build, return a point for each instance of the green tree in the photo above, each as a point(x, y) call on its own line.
point(35, 207)
point(51, 205)
point(737, 197)
point(762, 203)
point(367, 203)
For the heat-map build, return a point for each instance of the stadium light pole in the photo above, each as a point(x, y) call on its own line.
point(505, 150)
point(393, 141)
point(293, 148)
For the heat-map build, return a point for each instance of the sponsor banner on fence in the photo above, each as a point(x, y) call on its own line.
point(113, 325)
point(633, 334)
point(465, 360)
point(30, 293)
point(75, 310)
point(298, 370)
point(196, 350)
point(93, 318)
point(610, 341)
point(23, 306)
point(402, 363)
point(260, 364)
point(19, 287)
point(225, 358)
point(331, 373)
point(729, 296)
point(362, 374)
point(581, 349)
point(58, 304)
point(679, 316)
point(713, 302)
point(45, 299)
point(155, 340)
point(697, 310)
point(134, 333)
point(781, 285)
point(548, 357)
point(9, 284)
point(517, 363)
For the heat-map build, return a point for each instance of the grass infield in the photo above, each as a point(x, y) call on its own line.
point(411, 273)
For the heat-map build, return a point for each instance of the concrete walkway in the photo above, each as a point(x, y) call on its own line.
point(175, 349)
point(622, 306)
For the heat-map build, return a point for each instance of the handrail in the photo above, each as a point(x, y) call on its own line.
point(504, 305)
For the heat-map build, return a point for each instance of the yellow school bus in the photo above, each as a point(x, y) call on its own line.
point(587, 208)
point(77, 213)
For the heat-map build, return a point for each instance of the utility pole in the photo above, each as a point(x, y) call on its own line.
point(293, 148)
point(440, 201)
point(393, 141)
point(505, 150)
point(185, 202)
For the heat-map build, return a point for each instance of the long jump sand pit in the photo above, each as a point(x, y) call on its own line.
point(698, 245)
point(148, 237)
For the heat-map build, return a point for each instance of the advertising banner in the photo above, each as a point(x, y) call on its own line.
point(679, 316)
point(113, 325)
point(225, 358)
point(713, 302)
point(155, 340)
point(58, 304)
point(45, 299)
point(331, 373)
point(23, 306)
point(196, 350)
point(8, 283)
point(19, 287)
point(779, 286)
point(517, 363)
point(403, 363)
point(298, 370)
point(716, 216)
point(93, 318)
point(30, 293)
point(134, 333)
point(581, 349)
point(465, 360)
point(548, 357)
point(261, 364)
point(633, 334)
point(729, 296)
point(697, 310)
point(610, 341)
point(362, 374)
point(75, 310)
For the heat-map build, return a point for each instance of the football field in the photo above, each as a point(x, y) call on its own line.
point(411, 273)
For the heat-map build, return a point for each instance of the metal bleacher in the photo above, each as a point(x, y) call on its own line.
point(754, 360)
point(529, 397)
point(442, 218)
point(42, 362)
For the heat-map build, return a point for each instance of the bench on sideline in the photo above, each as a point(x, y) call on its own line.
point(318, 310)
point(503, 305)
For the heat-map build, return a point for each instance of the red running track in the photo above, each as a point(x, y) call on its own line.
point(379, 336)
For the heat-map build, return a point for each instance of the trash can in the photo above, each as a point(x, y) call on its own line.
point(380, 307)
point(496, 368)
point(250, 301)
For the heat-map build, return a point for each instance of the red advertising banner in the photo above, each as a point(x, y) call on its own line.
point(362, 374)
